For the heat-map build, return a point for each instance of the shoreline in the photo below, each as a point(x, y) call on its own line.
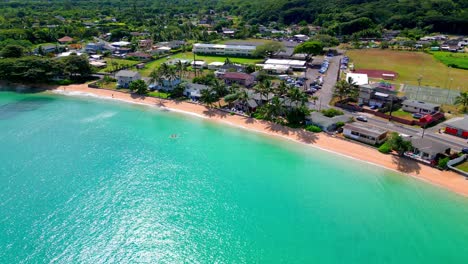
point(448, 180)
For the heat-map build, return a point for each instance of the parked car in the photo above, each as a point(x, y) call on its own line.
point(464, 150)
point(361, 118)
point(373, 107)
point(417, 115)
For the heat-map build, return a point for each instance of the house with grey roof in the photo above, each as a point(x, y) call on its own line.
point(414, 106)
point(193, 90)
point(124, 78)
point(427, 150)
point(365, 133)
point(327, 124)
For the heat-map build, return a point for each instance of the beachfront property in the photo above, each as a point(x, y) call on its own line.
point(193, 90)
point(224, 50)
point(124, 78)
point(414, 106)
point(297, 65)
point(427, 151)
point(457, 127)
point(365, 133)
point(240, 78)
point(327, 124)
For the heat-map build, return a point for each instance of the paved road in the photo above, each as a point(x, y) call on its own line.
point(453, 143)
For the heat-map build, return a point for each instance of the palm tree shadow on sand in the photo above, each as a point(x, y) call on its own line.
point(406, 165)
point(211, 112)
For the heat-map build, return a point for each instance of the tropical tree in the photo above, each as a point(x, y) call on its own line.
point(462, 100)
point(219, 88)
point(297, 97)
point(399, 144)
point(282, 89)
point(138, 86)
point(268, 49)
point(208, 97)
point(264, 88)
point(12, 51)
point(310, 48)
point(346, 89)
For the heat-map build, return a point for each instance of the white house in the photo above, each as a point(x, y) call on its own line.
point(221, 49)
point(215, 65)
point(414, 106)
point(358, 78)
point(124, 78)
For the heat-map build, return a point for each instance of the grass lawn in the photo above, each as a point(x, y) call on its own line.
point(109, 66)
point(402, 114)
point(156, 94)
point(458, 60)
point(463, 166)
point(189, 56)
point(409, 65)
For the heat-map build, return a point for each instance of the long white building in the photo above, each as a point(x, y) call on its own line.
point(221, 49)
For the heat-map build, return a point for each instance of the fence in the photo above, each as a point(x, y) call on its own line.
point(452, 163)
point(431, 94)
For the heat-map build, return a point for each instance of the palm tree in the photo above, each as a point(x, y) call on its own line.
point(282, 89)
point(297, 96)
point(208, 97)
point(276, 107)
point(462, 100)
point(264, 88)
point(180, 68)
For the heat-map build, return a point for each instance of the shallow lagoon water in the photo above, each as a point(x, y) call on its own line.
point(86, 180)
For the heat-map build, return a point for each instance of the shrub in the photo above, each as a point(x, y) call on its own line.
point(312, 128)
point(443, 163)
point(332, 112)
point(340, 124)
point(385, 148)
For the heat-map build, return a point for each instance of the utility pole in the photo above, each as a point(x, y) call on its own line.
point(419, 86)
point(193, 65)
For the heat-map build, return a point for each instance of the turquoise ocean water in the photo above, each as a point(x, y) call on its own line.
point(85, 180)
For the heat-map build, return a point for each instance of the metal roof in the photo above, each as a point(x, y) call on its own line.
point(419, 104)
point(458, 123)
point(365, 129)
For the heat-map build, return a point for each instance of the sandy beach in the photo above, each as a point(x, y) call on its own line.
point(445, 179)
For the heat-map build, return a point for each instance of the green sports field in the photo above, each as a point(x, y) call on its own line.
point(411, 65)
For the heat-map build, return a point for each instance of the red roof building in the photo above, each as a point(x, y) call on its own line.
point(238, 77)
point(65, 39)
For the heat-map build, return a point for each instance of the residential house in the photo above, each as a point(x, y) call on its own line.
point(175, 44)
point(47, 49)
point(240, 78)
point(145, 44)
point(414, 106)
point(124, 78)
point(199, 64)
point(457, 127)
point(365, 133)
point(376, 94)
point(65, 40)
point(327, 124)
point(166, 84)
point(95, 47)
point(215, 65)
point(161, 50)
point(193, 90)
point(139, 55)
point(427, 151)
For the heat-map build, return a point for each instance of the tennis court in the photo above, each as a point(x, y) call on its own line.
point(431, 94)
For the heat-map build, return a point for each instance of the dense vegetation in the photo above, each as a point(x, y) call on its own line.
point(35, 21)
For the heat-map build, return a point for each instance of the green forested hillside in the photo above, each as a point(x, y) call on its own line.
point(169, 19)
